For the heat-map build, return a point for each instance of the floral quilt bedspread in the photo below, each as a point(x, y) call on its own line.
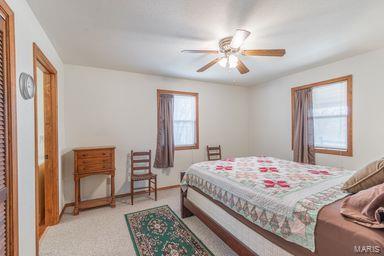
point(280, 196)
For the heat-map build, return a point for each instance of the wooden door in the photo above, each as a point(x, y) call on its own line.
point(50, 218)
point(8, 142)
point(44, 119)
point(4, 181)
point(42, 152)
point(47, 204)
point(3, 145)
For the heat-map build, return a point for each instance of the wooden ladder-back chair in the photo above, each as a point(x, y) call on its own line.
point(214, 153)
point(141, 170)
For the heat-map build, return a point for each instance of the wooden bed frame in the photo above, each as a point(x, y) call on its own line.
point(188, 209)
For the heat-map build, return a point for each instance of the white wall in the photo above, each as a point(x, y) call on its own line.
point(270, 110)
point(28, 30)
point(108, 107)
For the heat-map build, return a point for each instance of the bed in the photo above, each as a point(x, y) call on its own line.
point(269, 206)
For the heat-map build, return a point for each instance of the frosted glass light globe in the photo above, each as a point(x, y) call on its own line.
point(229, 62)
point(223, 62)
point(232, 60)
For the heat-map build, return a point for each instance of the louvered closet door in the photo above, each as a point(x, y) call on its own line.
point(3, 145)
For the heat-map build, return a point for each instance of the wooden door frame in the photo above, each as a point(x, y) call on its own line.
point(51, 178)
point(12, 212)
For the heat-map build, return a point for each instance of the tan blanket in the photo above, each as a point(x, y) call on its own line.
point(366, 207)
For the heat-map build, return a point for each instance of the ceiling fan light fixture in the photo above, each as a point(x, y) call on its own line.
point(223, 62)
point(239, 38)
point(229, 62)
point(233, 61)
point(230, 47)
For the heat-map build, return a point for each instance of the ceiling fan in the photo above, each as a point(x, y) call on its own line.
point(230, 47)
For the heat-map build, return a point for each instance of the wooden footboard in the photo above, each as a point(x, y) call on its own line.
point(189, 209)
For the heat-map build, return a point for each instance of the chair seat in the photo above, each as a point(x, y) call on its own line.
point(145, 176)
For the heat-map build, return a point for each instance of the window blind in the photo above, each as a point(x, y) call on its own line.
point(330, 113)
point(184, 120)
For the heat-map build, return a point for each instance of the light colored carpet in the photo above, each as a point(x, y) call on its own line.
point(103, 231)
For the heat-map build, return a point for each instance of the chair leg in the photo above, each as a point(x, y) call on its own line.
point(132, 192)
point(149, 187)
point(155, 188)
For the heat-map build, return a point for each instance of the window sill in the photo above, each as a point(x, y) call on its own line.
point(187, 147)
point(334, 152)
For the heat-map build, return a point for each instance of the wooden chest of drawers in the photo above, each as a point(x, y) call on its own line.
point(94, 161)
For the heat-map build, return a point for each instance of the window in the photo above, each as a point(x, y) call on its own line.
point(185, 119)
point(332, 115)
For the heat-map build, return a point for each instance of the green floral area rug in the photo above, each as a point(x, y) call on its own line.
point(159, 231)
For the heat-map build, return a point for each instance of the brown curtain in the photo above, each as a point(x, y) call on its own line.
point(165, 144)
point(303, 134)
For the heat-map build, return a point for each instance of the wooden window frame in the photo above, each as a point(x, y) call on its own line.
point(348, 79)
point(196, 95)
point(12, 179)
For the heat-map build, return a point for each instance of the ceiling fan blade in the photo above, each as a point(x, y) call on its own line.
point(242, 68)
point(239, 38)
point(210, 64)
point(272, 52)
point(200, 51)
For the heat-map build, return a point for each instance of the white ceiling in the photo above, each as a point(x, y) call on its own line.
point(147, 36)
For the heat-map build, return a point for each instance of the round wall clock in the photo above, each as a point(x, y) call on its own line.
point(27, 86)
